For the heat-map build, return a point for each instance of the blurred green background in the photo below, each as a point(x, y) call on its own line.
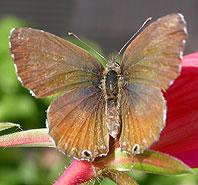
point(42, 166)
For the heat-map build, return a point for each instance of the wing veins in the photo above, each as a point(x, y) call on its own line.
point(162, 38)
point(147, 106)
point(56, 66)
point(71, 48)
point(55, 91)
point(88, 120)
point(147, 80)
point(136, 118)
point(56, 75)
point(69, 149)
point(48, 60)
point(151, 67)
point(142, 58)
point(133, 118)
point(74, 108)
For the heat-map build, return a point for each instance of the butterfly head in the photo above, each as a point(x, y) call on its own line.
point(112, 64)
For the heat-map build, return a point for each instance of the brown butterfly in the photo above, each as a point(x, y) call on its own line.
point(122, 100)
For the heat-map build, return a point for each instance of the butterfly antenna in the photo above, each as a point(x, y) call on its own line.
point(145, 22)
point(75, 36)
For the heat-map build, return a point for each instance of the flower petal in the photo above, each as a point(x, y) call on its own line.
point(180, 136)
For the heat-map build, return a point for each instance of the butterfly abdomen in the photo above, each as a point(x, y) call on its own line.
point(111, 88)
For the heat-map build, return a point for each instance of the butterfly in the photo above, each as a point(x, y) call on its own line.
point(122, 101)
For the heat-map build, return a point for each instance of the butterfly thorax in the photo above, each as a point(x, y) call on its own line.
point(112, 85)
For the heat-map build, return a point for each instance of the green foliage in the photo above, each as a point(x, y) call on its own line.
point(18, 106)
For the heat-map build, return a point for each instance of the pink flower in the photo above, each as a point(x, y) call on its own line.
point(180, 136)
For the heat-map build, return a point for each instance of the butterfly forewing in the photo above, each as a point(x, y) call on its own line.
point(150, 64)
point(47, 64)
point(154, 57)
point(77, 123)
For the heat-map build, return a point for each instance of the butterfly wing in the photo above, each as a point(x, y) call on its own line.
point(47, 64)
point(150, 64)
point(77, 124)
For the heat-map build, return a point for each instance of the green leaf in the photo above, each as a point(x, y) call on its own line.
point(160, 163)
point(149, 161)
point(29, 138)
point(4, 126)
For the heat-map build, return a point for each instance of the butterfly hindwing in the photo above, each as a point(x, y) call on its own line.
point(143, 114)
point(76, 122)
point(149, 64)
